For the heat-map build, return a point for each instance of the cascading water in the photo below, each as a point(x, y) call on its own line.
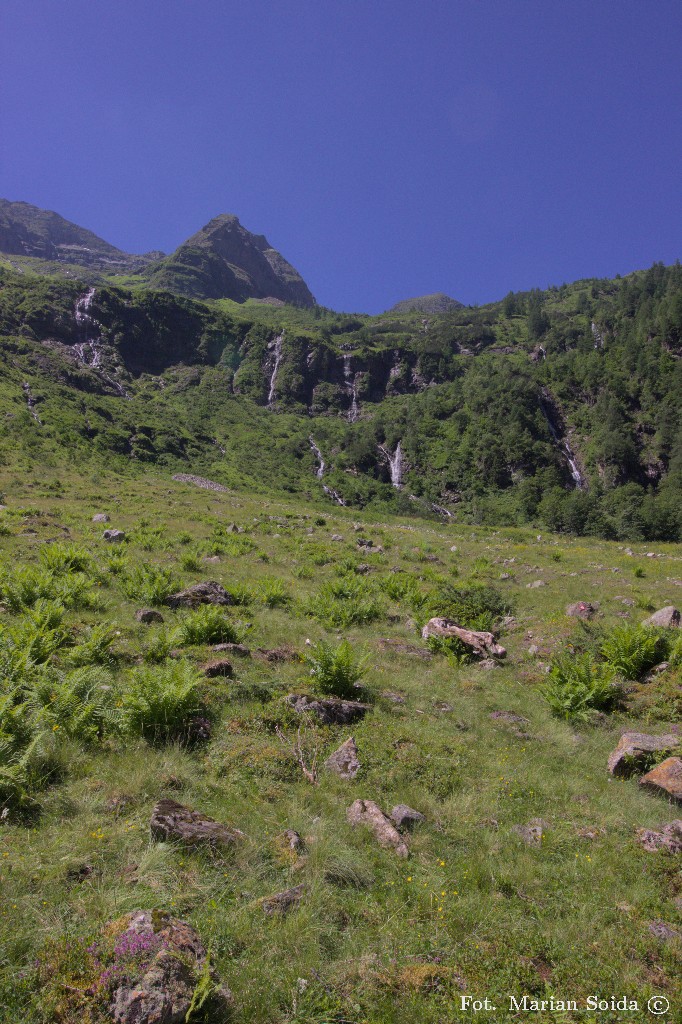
point(561, 442)
point(395, 464)
point(273, 378)
point(31, 402)
point(351, 385)
point(89, 349)
point(321, 465)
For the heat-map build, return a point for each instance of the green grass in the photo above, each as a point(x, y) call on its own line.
point(376, 940)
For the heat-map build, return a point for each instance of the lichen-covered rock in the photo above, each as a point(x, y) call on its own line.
point(344, 761)
point(164, 958)
point(482, 644)
point(200, 593)
point(634, 752)
point(173, 822)
point(406, 817)
point(669, 838)
point(664, 618)
point(665, 779)
point(366, 812)
point(329, 710)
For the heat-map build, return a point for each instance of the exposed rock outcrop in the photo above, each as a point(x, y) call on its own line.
point(173, 822)
point(366, 812)
point(636, 751)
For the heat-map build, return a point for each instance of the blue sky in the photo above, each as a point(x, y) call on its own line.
point(388, 149)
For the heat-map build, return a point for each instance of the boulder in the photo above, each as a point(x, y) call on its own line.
point(148, 615)
point(239, 650)
point(217, 668)
point(101, 517)
point(366, 812)
point(200, 593)
point(406, 817)
point(634, 752)
point(344, 761)
point(291, 840)
point(535, 584)
point(164, 959)
point(582, 610)
point(664, 618)
point(533, 832)
point(173, 822)
point(114, 536)
point(665, 779)
point(482, 644)
point(329, 710)
point(669, 838)
point(283, 902)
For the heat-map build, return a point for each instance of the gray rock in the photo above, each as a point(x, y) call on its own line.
point(164, 960)
point(533, 650)
point(664, 618)
point(114, 536)
point(508, 716)
point(291, 839)
point(664, 932)
point(198, 481)
point(669, 838)
point(535, 584)
point(337, 537)
point(200, 593)
point(344, 761)
point(366, 812)
point(406, 817)
point(173, 822)
point(101, 517)
point(148, 615)
point(488, 664)
point(533, 832)
point(393, 697)
point(582, 610)
point(329, 710)
point(283, 902)
point(634, 752)
point(239, 650)
point(212, 559)
point(219, 667)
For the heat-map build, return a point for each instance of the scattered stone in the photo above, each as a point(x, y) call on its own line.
point(453, 548)
point(344, 761)
point(665, 618)
point(198, 481)
point(443, 706)
point(337, 536)
point(406, 817)
point(277, 655)
point(664, 932)
point(402, 647)
point(283, 902)
point(487, 664)
point(148, 615)
point(114, 536)
point(634, 752)
point(239, 650)
point(665, 779)
point(200, 593)
point(157, 988)
point(395, 698)
point(656, 671)
point(668, 839)
point(482, 644)
point(291, 839)
point(220, 667)
point(213, 559)
point(533, 650)
point(173, 822)
point(535, 584)
point(101, 517)
point(363, 568)
point(532, 832)
point(505, 576)
point(582, 610)
point(366, 812)
point(329, 710)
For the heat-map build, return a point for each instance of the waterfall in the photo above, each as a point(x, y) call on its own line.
point(319, 472)
point(395, 464)
point(89, 349)
point(278, 360)
point(597, 335)
point(561, 442)
point(351, 385)
point(31, 403)
point(334, 495)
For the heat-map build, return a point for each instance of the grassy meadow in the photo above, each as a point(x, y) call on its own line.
point(93, 731)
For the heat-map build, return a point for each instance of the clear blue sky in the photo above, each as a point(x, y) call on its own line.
point(386, 148)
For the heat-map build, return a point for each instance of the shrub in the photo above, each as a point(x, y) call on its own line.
point(577, 687)
point(474, 607)
point(158, 647)
point(633, 650)
point(335, 670)
point(207, 625)
point(160, 702)
point(452, 647)
point(116, 563)
point(78, 704)
point(148, 583)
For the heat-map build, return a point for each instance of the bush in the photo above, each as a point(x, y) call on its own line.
point(454, 649)
point(577, 687)
point(633, 650)
point(150, 584)
point(474, 607)
point(335, 670)
point(160, 702)
point(207, 625)
point(158, 647)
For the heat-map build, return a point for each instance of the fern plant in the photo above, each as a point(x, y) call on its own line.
point(160, 702)
point(149, 583)
point(633, 650)
point(577, 687)
point(335, 670)
point(207, 625)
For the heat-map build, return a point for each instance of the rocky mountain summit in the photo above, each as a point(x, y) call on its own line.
point(438, 302)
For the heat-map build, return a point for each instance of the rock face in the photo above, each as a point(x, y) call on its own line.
point(164, 958)
point(581, 610)
point(344, 761)
point(634, 752)
point(366, 812)
point(225, 261)
point(665, 779)
point(200, 593)
point(329, 710)
point(482, 644)
point(668, 839)
point(406, 817)
point(173, 822)
point(665, 618)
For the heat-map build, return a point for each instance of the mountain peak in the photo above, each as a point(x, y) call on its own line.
point(437, 302)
